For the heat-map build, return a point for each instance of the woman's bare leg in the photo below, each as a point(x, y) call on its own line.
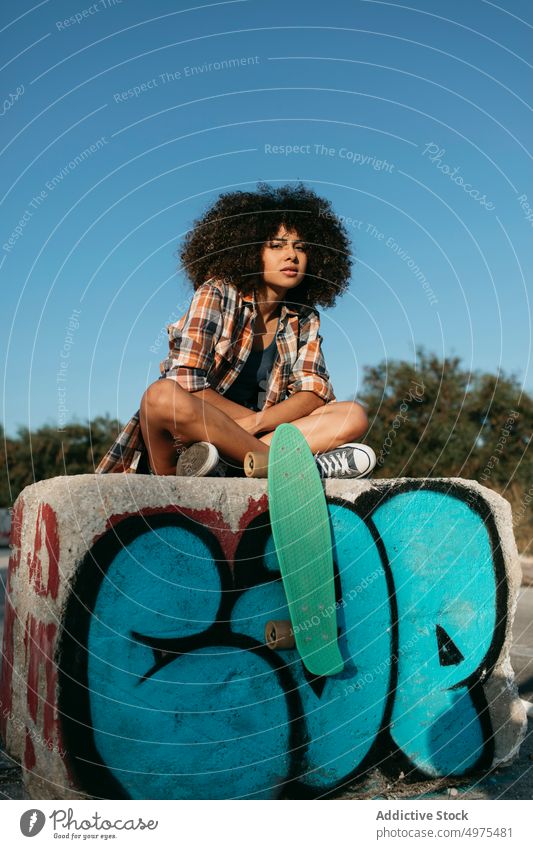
point(171, 416)
point(330, 426)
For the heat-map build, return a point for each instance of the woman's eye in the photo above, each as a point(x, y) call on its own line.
point(281, 244)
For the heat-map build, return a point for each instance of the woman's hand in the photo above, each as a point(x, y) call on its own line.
point(249, 423)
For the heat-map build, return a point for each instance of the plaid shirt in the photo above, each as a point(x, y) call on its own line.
point(208, 348)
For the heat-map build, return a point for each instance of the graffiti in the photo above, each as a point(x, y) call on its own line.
point(40, 724)
point(446, 593)
point(165, 668)
point(45, 553)
point(39, 639)
point(34, 734)
point(6, 691)
point(38, 645)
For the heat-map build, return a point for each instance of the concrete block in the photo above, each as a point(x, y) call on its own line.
point(134, 656)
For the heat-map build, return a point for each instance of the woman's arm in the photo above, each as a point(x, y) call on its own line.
point(264, 421)
point(192, 339)
point(295, 407)
point(308, 385)
point(309, 372)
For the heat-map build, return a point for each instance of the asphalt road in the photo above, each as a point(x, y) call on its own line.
point(515, 782)
point(522, 650)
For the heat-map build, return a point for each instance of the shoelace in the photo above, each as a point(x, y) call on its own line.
point(336, 462)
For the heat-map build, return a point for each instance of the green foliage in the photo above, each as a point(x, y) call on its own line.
point(48, 452)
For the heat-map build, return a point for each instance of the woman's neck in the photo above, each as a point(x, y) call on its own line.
point(268, 302)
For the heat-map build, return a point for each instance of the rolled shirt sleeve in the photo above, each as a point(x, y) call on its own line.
point(192, 340)
point(309, 372)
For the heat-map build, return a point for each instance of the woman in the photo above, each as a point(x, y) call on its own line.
point(247, 355)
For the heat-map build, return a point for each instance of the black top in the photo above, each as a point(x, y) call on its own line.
point(249, 386)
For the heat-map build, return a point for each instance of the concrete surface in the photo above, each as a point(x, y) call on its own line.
point(500, 783)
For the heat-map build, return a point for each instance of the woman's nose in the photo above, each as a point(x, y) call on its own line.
point(291, 254)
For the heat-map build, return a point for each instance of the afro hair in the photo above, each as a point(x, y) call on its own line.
point(226, 242)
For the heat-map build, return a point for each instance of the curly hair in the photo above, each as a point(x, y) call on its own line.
point(226, 241)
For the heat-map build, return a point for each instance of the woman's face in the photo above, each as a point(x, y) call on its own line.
point(284, 259)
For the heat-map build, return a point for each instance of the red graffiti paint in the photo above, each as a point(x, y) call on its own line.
point(46, 539)
point(208, 518)
point(29, 752)
point(254, 509)
point(228, 539)
point(6, 692)
point(39, 639)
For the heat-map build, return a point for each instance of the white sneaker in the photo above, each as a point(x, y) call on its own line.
point(197, 460)
point(352, 460)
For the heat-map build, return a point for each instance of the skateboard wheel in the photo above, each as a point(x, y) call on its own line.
point(279, 635)
point(256, 465)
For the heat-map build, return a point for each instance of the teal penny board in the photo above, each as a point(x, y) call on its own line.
point(301, 531)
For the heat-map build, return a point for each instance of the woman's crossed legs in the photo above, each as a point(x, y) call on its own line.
point(171, 417)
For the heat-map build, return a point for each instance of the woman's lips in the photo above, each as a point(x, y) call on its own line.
point(289, 272)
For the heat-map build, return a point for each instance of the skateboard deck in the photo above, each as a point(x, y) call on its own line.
point(302, 537)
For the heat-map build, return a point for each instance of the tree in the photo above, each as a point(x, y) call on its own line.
point(439, 420)
point(48, 452)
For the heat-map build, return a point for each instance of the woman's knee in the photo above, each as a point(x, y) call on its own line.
point(353, 420)
point(165, 402)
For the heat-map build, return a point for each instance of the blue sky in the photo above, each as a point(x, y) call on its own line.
point(122, 120)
